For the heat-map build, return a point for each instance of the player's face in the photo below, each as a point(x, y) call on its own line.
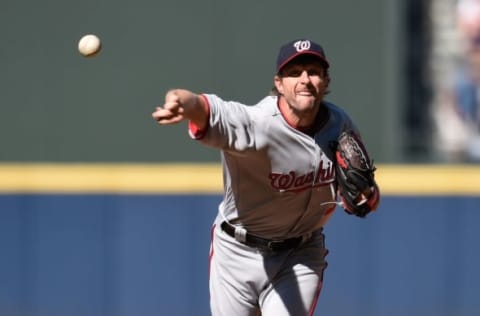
point(303, 84)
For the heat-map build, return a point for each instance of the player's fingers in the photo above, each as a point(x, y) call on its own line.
point(169, 120)
point(161, 113)
point(164, 116)
point(171, 96)
point(173, 105)
point(173, 120)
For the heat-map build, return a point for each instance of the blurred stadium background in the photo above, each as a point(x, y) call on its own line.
point(104, 213)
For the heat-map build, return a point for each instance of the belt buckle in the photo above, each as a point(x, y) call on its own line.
point(273, 245)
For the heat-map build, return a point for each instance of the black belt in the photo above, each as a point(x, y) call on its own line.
point(262, 243)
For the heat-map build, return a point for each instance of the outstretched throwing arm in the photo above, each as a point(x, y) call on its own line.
point(182, 105)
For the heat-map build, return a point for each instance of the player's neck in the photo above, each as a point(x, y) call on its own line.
point(301, 120)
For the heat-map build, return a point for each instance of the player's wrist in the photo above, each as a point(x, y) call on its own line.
point(198, 124)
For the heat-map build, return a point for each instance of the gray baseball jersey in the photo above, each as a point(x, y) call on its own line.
point(278, 184)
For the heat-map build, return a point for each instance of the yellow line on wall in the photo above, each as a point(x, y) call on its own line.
point(429, 179)
point(207, 178)
point(110, 178)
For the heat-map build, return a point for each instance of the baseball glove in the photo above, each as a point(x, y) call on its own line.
point(355, 175)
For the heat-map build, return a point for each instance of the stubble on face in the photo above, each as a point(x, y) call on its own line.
point(302, 87)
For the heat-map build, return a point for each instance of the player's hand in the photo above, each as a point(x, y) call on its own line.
point(171, 112)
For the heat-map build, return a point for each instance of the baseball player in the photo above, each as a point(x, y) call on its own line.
point(267, 251)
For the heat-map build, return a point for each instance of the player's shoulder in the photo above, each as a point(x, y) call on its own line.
point(337, 113)
point(257, 113)
point(268, 103)
point(266, 107)
point(336, 110)
point(339, 119)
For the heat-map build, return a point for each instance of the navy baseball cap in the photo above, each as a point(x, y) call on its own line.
point(299, 47)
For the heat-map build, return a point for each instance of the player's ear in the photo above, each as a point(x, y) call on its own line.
point(326, 80)
point(277, 81)
point(326, 77)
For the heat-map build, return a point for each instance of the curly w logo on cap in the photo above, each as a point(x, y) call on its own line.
point(299, 47)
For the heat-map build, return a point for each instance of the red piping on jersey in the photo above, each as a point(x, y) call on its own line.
point(330, 210)
point(193, 129)
point(301, 129)
point(304, 129)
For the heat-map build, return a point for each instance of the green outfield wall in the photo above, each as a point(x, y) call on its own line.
point(56, 106)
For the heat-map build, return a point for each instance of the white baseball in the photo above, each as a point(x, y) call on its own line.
point(89, 45)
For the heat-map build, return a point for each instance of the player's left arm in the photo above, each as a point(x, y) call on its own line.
point(355, 175)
